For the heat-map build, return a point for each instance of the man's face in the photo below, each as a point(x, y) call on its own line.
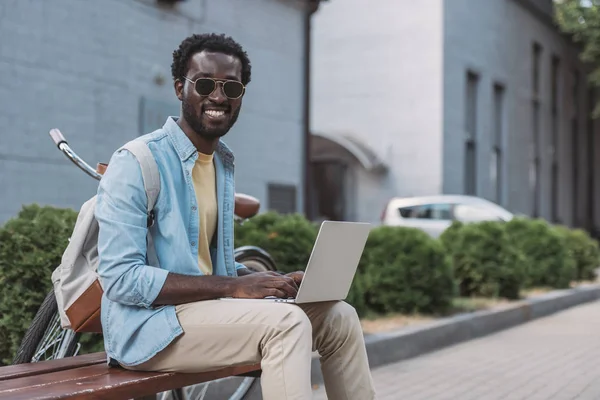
point(210, 115)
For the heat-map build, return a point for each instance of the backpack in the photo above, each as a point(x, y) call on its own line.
point(77, 289)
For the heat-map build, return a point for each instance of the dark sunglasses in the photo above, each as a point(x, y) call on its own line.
point(205, 86)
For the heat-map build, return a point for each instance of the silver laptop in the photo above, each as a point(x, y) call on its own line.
point(332, 264)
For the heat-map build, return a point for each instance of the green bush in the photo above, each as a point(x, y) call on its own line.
point(405, 270)
point(31, 246)
point(550, 263)
point(484, 260)
point(289, 239)
point(585, 252)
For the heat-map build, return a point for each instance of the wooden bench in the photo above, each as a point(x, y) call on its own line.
point(89, 377)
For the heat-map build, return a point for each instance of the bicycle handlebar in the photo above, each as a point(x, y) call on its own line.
point(63, 146)
point(57, 136)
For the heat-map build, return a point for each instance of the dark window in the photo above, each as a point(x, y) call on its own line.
point(470, 157)
point(575, 148)
point(497, 158)
point(554, 181)
point(535, 131)
point(282, 198)
point(428, 211)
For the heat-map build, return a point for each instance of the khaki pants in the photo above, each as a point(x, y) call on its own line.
point(281, 337)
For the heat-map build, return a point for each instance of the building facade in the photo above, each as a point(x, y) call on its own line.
point(456, 97)
point(100, 72)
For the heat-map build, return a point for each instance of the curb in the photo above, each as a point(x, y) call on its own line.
point(389, 347)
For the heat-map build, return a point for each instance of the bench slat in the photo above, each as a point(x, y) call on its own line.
point(102, 382)
point(43, 367)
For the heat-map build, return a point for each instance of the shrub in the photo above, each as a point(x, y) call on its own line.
point(31, 246)
point(288, 239)
point(405, 270)
point(484, 260)
point(549, 260)
point(585, 252)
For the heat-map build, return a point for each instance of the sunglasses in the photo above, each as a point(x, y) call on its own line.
point(205, 86)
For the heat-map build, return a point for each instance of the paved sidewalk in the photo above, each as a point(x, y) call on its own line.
point(553, 358)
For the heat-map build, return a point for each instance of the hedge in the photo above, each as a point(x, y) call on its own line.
point(584, 250)
point(550, 261)
point(401, 269)
point(405, 270)
point(31, 246)
point(484, 260)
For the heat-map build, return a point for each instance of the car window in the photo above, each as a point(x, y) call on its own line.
point(427, 211)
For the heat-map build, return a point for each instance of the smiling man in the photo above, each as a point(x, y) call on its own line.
point(163, 313)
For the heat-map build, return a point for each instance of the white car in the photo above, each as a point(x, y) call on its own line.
point(433, 214)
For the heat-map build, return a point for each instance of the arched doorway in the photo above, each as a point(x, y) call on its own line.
point(340, 165)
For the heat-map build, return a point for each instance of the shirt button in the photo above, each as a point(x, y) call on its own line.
point(193, 244)
point(193, 208)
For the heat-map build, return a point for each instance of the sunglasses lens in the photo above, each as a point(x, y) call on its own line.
point(233, 89)
point(205, 87)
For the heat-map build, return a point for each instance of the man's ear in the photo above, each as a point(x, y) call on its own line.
point(178, 86)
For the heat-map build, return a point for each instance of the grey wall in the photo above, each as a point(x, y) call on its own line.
point(494, 39)
point(377, 76)
point(84, 66)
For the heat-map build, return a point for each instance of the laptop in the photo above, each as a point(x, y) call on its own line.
point(332, 263)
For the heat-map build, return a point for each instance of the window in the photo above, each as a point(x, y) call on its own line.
point(470, 177)
point(535, 172)
point(282, 198)
point(591, 145)
point(554, 181)
point(535, 69)
point(575, 147)
point(535, 159)
point(498, 126)
point(427, 211)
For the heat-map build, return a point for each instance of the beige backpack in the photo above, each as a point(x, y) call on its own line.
point(77, 288)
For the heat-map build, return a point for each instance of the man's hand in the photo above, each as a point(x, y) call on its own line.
point(296, 276)
point(259, 285)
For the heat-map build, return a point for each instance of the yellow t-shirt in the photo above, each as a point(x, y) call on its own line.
point(203, 176)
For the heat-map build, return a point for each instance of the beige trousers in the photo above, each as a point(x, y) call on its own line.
point(281, 337)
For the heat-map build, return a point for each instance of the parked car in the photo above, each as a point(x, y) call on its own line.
point(433, 214)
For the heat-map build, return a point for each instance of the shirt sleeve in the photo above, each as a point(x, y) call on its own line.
point(239, 265)
point(121, 212)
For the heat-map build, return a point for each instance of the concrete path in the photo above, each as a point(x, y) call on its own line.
point(553, 358)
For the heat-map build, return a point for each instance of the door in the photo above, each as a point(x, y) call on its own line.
point(329, 190)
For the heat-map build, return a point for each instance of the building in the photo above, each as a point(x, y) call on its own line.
point(100, 72)
point(452, 97)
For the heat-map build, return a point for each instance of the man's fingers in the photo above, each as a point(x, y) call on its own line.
point(276, 292)
point(290, 289)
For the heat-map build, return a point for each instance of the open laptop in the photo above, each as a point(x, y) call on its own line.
point(332, 264)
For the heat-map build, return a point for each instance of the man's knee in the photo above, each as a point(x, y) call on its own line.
point(293, 319)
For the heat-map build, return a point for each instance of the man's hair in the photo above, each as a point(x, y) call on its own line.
point(211, 42)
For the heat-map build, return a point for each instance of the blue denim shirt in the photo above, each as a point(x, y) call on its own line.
point(134, 330)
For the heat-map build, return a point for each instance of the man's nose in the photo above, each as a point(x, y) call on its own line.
point(218, 95)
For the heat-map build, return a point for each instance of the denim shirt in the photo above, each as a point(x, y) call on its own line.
point(134, 330)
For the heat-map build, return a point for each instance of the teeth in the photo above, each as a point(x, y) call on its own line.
point(215, 113)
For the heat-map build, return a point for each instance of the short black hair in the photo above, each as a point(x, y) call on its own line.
point(212, 42)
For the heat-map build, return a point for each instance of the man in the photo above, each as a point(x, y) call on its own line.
point(167, 317)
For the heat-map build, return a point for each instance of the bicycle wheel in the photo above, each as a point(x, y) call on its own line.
point(45, 339)
point(254, 258)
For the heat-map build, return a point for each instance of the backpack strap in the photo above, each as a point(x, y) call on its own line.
point(151, 178)
point(150, 173)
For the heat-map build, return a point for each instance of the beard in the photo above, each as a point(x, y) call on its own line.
point(208, 132)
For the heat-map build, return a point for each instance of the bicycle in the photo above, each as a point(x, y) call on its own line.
point(45, 339)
